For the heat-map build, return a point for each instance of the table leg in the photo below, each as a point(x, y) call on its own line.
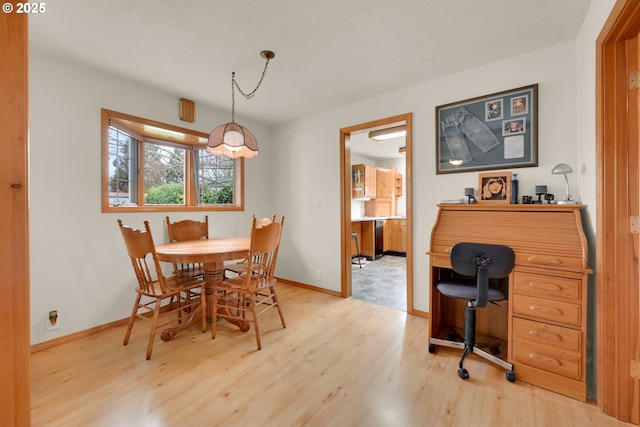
point(213, 273)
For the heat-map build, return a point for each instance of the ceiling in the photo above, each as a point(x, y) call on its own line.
point(329, 53)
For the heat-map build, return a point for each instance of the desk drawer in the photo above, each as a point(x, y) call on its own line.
point(544, 309)
point(544, 334)
point(548, 359)
point(550, 287)
point(546, 259)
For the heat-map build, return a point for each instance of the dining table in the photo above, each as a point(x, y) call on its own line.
point(212, 253)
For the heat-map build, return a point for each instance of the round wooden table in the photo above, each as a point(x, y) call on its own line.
point(212, 253)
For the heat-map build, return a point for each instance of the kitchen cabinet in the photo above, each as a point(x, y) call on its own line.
point(366, 238)
point(395, 235)
point(398, 184)
point(385, 199)
point(363, 181)
point(385, 182)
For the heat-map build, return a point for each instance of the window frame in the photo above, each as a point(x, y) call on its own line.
point(187, 138)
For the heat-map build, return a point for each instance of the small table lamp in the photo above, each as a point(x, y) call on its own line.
point(564, 169)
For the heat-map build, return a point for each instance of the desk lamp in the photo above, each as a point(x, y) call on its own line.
point(564, 169)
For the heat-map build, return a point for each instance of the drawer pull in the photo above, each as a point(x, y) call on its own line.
point(545, 359)
point(545, 286)
point(544, 260)
point(546, 336)
point(547, 310)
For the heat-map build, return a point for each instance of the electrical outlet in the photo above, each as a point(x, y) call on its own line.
point(52, 321)
point(318, 275)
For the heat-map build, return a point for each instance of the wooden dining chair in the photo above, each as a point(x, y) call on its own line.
point(254, 292)
point(154, 288)
point(188, 229)
point(240, 267)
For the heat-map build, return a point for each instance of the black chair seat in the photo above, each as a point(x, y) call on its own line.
point(467, 290)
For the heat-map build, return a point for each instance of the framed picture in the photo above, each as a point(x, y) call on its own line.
point(490, 132)
point(494, 187)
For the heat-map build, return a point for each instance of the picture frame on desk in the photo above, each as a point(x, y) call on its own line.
point(494, 187)
point(490, 132)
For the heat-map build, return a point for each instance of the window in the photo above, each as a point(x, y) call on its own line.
point(152, 166)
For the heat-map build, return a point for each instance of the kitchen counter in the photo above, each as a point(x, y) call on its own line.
point(379, 234)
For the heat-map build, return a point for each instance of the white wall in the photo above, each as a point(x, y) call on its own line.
point(586, 102)
point(79, 265)
point(315, 234)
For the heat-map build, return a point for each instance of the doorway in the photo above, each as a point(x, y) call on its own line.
point(348, 142)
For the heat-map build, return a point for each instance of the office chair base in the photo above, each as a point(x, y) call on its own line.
point(462, 372)
point(482, 341)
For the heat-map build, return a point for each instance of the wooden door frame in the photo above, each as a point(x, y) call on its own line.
point(15, 341)
point(345, 201)
point(617, 154)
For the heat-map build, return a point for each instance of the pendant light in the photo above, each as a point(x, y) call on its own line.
point(231, 139)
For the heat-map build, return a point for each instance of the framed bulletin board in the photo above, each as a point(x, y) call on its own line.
point(496, 131)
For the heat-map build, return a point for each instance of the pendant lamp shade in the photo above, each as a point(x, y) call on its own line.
point(233, 141)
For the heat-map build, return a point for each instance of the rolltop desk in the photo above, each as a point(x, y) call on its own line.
point(543, 322)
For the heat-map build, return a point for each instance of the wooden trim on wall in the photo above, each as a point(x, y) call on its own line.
point(345, 201)
point(617, 154)
point(15, 387)
point(307, 286)
point(45, 345)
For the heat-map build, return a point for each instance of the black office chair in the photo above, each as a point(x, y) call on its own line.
point(477, 263)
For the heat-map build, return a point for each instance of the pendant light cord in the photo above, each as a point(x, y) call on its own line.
point(249, 95)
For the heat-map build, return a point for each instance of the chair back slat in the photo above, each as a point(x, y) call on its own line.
point(265, 241)
point(142, 251)
point(261, 222)
point(188, 229)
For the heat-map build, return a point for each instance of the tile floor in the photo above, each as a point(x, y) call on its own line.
point(382, 282)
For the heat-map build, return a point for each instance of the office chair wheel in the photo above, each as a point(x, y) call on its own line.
point(495, 350)
point(511, 376)
point(432, 348)
point(463, 373)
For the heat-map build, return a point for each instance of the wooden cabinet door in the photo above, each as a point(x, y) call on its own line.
point(378, 207)
point(395, 239)
point(386, 182)
point(363, 181)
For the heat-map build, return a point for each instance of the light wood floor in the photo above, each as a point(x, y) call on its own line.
point(339, 362)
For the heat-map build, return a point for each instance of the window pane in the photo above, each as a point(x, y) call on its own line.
point(122, 183)
point(215, 179)
point(163, 175)
point(156, 167)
